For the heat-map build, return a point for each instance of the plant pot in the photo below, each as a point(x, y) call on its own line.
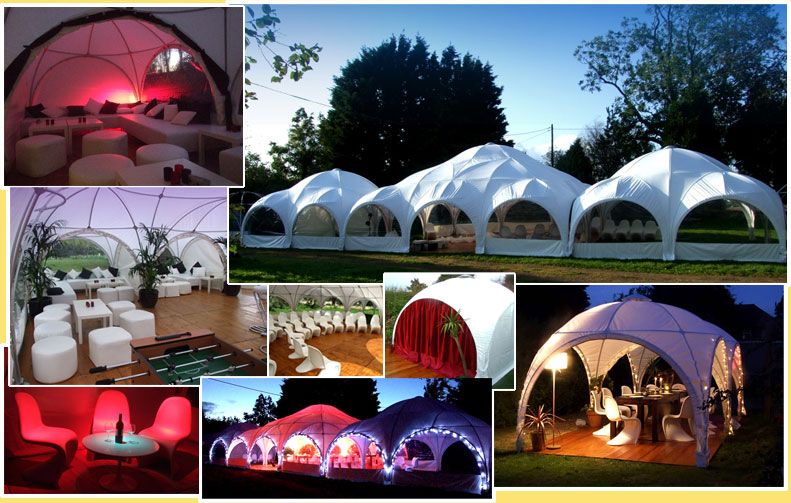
point(231, 290)
point(594, 419)
point(148, 298)
point(537, 441)
point(36, 306)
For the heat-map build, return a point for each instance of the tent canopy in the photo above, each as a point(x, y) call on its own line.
point(347, 294)
point(488, 311)
point(313, 212)
point(669, 183)
point(696, 350)
point(477, 182)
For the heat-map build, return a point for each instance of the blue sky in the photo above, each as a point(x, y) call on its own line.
point(239, 396)
point(403, 279)
point(530, 47)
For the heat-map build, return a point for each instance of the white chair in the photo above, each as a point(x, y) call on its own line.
point(171, 289)
point(331, 369)
point(295, 341)
point(298, 326)
point(107, 295)
point(636, 231)
point(326, 326)
point(520, 232)
point(625, 410)
point(349, 324)
point(604, 431)
point(337, 322)
point(52, 315)
point(184, 287)
point(554, 232)
point(362, 325)
point(139, 323)
point(51, 329)
point(58, 307)
point(302, 350)
point(99, 169)
point(678, 387)
point(272, 368)
point(671, 423)
point(119, 307)
point(651, 387)
point(608, 231)
point(316, 360)
point(651, 231)
point(538, 231)
point(505, 231)
point(376, 325)
point(626, 390)
point(109, 346)
point(622, 232)
point(596, 224)
point(631, 425)
point(315, 331)
point(106, 141)
point(159, 152)
point(125, 293)
point(54, 359)
point(40, 155)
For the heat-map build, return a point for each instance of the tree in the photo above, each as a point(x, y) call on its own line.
point(302, 155)
point(415, 285)
point(473, 396)
point(398, 108)
point(263, 411)
point(356, 397)
point(436, 389)
point(610, 146)
point(690, 74)
point(262, 31)
point(575, 162)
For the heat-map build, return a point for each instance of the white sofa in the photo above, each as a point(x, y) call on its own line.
point(150, 130)
point(68, 296)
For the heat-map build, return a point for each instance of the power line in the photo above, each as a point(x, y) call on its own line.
point(247, 387)
point(528, 132)
point(291, 95)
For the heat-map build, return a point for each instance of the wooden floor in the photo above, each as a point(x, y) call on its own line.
point(228, 317)
point(583, 442)
point(60, 177)
point(359, 354)
point(398, 366)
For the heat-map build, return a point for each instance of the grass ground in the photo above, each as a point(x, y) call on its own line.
point(752, 457)
point(323, 266)
point(78, 262)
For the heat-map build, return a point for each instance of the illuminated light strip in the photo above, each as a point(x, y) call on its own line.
point(353, 434)
point(255, 442)
point(234, 443)
point(213, 444)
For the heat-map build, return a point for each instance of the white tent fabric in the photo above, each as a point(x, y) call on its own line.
point(695, 349)
point(477, 182)
point(104, 53)
point(191, 248)
point(313, 212)
point(488, 310)
point(669, 183)
point(347, 294)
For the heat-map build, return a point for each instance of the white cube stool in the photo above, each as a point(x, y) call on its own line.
point(105, 141)
point(139, 323)
point(52, 329)
point(119, 307)
point(171, 289)
point(161, 290)
point(54, 359)
point(158, 152)
point(184, 287)
point(52, 315)
point(97, 169)
point(40, 155)
point(232, 164)
point(58, 307)
point(109, 346)
point(125, 293)
point(107, 295)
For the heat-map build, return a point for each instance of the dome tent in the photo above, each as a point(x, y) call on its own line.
point(311, 214)
point(669, 184)
point(219, 442)
point(487, 338)
point(438, 425)
point(695, 349)
point(481, 181)
point(347, 294)
point(104, 54)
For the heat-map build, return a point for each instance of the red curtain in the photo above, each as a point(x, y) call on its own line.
point(418, 339)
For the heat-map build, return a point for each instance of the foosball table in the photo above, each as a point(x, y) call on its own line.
point(181, 359)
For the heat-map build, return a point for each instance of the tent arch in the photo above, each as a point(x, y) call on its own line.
point(236, 442)
point(352, 436)
point(81, 234)
point(449, 205)
point(197, 236)
point(33, 94)
point(322, 210)
point(212, 451)
point(549, 247)
point(281, 455)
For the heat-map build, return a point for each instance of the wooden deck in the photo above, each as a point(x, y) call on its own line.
point(583, 442)
point(398, 366)
point(228, 317)
point(359, 354)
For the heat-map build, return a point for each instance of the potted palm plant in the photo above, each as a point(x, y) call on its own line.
point(537, 421)
point(451, 325)
point(230, 290)
point(594, 419)
point(148, 261)
point(40, 240)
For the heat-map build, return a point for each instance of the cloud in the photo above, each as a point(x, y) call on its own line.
point(209, 408)
point(538, 150)
point(230, 401)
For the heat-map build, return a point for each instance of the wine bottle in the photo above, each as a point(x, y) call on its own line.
point(119, 431)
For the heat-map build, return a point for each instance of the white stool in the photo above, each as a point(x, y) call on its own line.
point(184, 287)
point(105, 141)
point(40, 155)
point(58, 307)
point(97, 169)
point(171, 289)
point(52, 315)
point(158, 152)
point(125, 293)
point(107, 295)
point(232, 164)
point(139, 323)
point(109, 346)
point(119, 307)
point(51, 329)
point(161, 290)
point(54, 359)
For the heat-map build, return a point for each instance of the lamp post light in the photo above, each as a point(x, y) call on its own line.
point(557, 363)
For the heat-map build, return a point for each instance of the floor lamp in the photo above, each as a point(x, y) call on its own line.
point(557, 363)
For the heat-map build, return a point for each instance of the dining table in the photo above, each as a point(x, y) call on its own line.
point(650, 401)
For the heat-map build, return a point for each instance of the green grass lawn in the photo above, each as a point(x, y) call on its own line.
point(752, 457)
point(257, 265)
point(77, 262)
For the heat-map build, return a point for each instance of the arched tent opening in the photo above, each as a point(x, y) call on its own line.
point(443, 226)
point(487, 311)
point(618, 229)
point(371, 225)
point(199, 250)
point(523, 227)
point(239, 202)
point(414, 453)
point(237, 453)
point(263, 227)
point(300, 450)
point(695, 350)
point(256, 456)
point(315, 227)
point(459, 459)
point(218, 452)
point(175, 73)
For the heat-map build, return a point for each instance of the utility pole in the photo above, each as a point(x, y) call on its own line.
point(552, 145)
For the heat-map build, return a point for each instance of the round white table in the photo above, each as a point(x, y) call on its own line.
point(133, 446)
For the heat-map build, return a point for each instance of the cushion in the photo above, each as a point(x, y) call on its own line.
point(161, 114)
point(173, 270)
point(54, 112)
point(139, 109)
point(72, 274)
point(35, 111)
point(85, 274)
point(162, 269)
point(170, 112)
point(55, 291)
point(151, 104)
point(133, 105)
point(107, 274)
point(196, 264)
point(199, 272)
point(180, 266)
point(155, 110)
point(97, 272)
point(124, 111)
point(109, 107)
point(93, 107)
point(60, 275)
point(183, 118)
point(75, 110)
point(113, 271)
point(49, 272)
